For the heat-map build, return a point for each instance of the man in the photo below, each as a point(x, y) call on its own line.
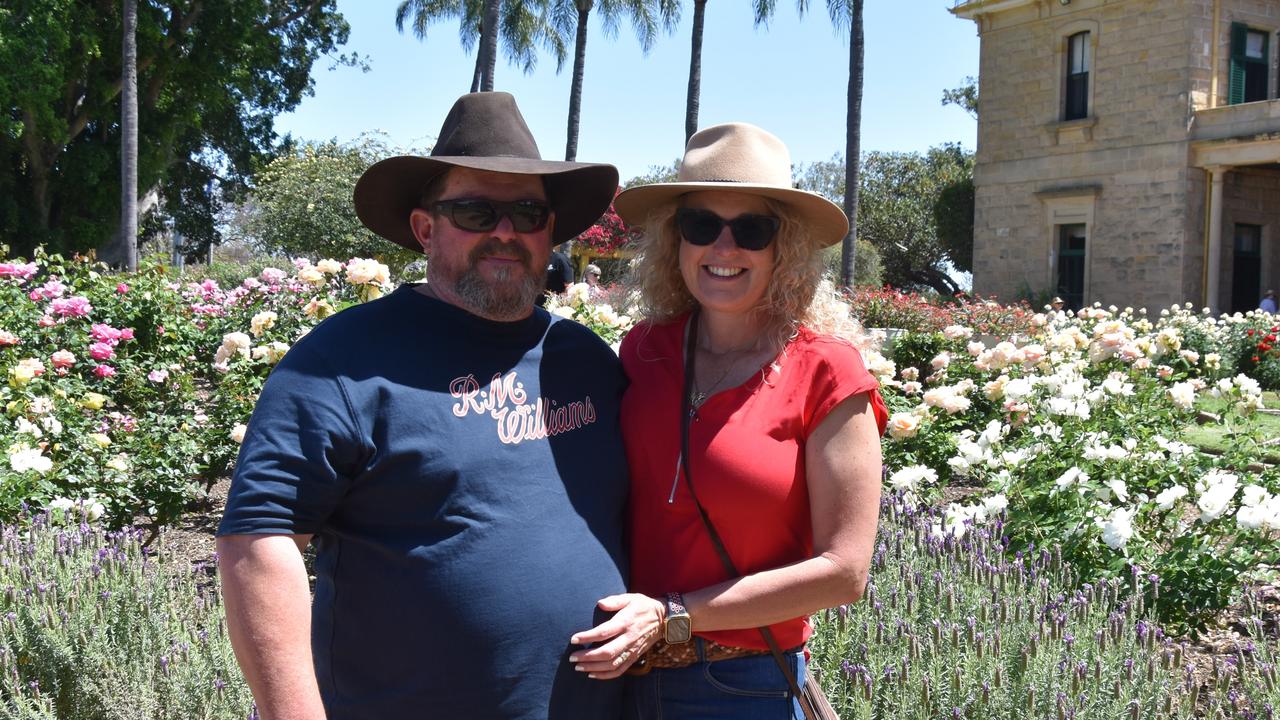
point(559, 275)
point(453, 452)
point(1268, 303)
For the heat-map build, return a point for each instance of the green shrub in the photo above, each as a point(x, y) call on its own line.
point(93, 626)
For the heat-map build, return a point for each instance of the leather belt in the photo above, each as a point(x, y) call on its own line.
point(663, 655)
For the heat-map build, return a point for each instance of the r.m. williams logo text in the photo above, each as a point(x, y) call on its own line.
point(506, 401)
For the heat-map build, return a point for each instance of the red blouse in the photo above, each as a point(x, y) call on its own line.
point(747, 450)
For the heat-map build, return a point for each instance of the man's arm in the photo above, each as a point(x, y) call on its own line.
point(268, 603)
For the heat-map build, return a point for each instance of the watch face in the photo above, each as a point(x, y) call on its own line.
point(678, 630)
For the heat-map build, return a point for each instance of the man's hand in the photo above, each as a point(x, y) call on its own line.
point(624, 638)
point(268, 603)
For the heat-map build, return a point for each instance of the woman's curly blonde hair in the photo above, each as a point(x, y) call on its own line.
point(797, 295)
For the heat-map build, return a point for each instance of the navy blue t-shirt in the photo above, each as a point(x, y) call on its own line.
point(465, 481)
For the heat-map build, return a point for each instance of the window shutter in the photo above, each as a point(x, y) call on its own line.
point(1235, 82)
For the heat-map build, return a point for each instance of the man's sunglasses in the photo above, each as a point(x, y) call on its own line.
point(702, 227)
point(477, 215)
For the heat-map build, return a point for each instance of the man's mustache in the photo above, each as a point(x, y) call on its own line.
point(494, 247)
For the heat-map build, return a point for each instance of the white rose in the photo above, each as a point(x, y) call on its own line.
point(1169, 496)
point(1118, 528)
point(1220, 489)
point(1183, 395)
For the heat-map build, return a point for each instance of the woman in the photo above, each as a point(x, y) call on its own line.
point(783, 438)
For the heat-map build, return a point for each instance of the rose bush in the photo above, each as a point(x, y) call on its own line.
point(1075, 427)
point(114, 393)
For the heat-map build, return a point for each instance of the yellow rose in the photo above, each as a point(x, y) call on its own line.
point(93, 401)
point(100, 439)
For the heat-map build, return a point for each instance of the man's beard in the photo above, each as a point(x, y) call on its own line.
point(504, 298)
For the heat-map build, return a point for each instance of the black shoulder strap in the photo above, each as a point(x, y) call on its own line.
point(686, 417)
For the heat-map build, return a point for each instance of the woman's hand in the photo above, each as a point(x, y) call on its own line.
point(622, 639)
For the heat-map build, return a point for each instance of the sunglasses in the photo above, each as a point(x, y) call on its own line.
point(477, 215)
point(702, 227)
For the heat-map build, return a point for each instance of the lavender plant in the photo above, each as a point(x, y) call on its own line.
point(93, 626)
point(953, 627)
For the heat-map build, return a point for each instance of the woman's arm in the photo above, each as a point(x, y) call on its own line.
point(842, 460)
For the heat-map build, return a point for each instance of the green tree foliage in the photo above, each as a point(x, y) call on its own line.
point(953, 216)
point(210, 82)
point(300, 205)
point(656, 174)
point(896, 210)
point(965, 96)
point(524, 26)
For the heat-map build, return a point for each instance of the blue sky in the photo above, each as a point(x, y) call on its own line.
point(790, 78)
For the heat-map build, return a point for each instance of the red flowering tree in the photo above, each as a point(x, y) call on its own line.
point(609, 234)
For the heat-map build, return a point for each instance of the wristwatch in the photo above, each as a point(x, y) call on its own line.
point(676, 627)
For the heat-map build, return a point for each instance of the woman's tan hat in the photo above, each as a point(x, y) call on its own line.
point(737, 157)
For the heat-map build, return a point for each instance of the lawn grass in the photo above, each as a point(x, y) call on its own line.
point(1213, 437)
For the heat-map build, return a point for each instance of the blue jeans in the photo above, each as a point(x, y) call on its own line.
point(747, 688)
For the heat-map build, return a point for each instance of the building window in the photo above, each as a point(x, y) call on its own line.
point(1250, 61)
point(1246, 268)
point(1079, 62)
point(1071, 265)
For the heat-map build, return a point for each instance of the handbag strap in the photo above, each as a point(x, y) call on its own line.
point(686, 417)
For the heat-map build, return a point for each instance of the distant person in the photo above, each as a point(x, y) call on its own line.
point(1057, 304)
point(1268, 304)
point(559, 275)
point(591, 276)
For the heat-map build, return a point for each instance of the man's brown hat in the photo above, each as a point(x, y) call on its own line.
point(483, 131)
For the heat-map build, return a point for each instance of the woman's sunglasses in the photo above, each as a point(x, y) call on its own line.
point(476, 215)
point(702, 227)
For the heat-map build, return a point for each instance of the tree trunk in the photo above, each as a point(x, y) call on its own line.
point(575, 87)
point(479, 71)
point(489, 43)
point(695, 71)
point(852, 147)
point(127, 246)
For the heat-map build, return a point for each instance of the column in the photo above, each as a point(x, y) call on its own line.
point(1214, 262)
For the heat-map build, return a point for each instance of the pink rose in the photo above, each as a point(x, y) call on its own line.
point(18, 270)
point(62, 359)
point(104, 333)
point(122, 288)
point(8, 338)
point(158, 376)
point(46, 321)
point(71, 307)
point(101, 351)
point(104, 371)
point(126, 333)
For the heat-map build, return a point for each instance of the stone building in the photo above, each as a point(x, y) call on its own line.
point(1128, 151)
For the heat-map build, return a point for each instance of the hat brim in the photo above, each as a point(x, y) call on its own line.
point(825, 219)
point(579, 193)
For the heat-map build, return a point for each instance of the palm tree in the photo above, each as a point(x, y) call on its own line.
point(489, 43)
point(645, 15)
point(845, 14)
point(126, 254)
point(521, 25)
point(695, 71)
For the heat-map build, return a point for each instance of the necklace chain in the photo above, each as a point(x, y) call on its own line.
point(700, 396)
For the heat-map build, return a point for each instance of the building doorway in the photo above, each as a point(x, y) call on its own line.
point(1246, 268)
point(1071, 265)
